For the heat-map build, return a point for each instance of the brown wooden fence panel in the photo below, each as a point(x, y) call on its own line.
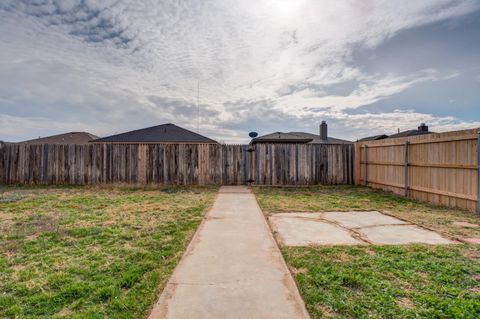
point(186, 164)
point(440, 168)
point(303, 164)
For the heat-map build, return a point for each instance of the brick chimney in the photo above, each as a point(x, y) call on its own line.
point(323, 131)
point(423, 127)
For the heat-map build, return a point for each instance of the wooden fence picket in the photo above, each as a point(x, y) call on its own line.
point(263, 164)
point(441, 168)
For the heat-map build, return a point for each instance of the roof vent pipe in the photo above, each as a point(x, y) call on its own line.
point(323, 131)
point(423, 127)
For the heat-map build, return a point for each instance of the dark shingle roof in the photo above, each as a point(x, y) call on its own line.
point(282, 137)
point(66, 138)
point(317, 140)
point(373, 138)
point(165, 133)
point(410, 133)
point(297, 137)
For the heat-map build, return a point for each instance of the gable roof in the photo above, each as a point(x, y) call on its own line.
point(297, 137)
point(373, 138)
point(65, 138)
point(410, 133)
point(282, 137)
point(317, 140)
point(165, 133)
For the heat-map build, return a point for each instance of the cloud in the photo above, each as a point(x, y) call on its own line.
point(262, 63)
point(366, 90)
point(12, 127)
point(91, 21)
point(368, 124)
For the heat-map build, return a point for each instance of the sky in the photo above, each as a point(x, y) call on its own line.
point(365, 67)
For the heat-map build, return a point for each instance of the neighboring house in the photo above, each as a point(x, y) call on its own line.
point(66, 138)
point(373, 138)
point(300, 137)
point(421, 130)
point(160, 134)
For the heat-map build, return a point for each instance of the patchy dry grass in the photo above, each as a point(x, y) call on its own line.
point(92, 252)
point(413, 281)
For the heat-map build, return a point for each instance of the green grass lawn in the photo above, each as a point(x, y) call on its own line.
point(92, 252)
point(413, 281)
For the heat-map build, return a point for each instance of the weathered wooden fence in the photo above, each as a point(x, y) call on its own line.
point(440, 168)
point(269, 164)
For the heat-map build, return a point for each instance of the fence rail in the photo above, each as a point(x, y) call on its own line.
point(263, 164)
point(440, 168)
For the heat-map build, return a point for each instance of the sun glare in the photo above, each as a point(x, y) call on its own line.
point(286, 8)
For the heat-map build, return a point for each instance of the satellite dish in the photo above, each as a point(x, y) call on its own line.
point(253, 134)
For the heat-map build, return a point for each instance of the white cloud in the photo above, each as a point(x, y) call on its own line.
point(102, 61)
point(368, 124)
point(13, 127)
point(369, 90)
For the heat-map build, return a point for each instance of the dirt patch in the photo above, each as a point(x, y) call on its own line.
point(297, 271)
point(33, 226)
point(405, 302)
point(466, 224)
point(326, 312)
point(471, 240)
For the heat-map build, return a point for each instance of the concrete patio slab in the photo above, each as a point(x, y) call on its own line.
point(301, 231)
point(349, 228)
point(232, 268)
point(402, 234)
point(361, 219)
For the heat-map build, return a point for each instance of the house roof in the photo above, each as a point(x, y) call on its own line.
point(282, 137)
point(410, 133)
point(297, 137)
point(65, 138)
point(165, 133)
point(373, 138)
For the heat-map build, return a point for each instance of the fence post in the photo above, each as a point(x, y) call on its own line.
point(478, 172)
point(366, 165)
point(406, 167)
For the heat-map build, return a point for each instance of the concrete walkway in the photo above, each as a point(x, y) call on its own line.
point(232, 268)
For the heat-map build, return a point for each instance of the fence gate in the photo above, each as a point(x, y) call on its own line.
point(239, 164)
